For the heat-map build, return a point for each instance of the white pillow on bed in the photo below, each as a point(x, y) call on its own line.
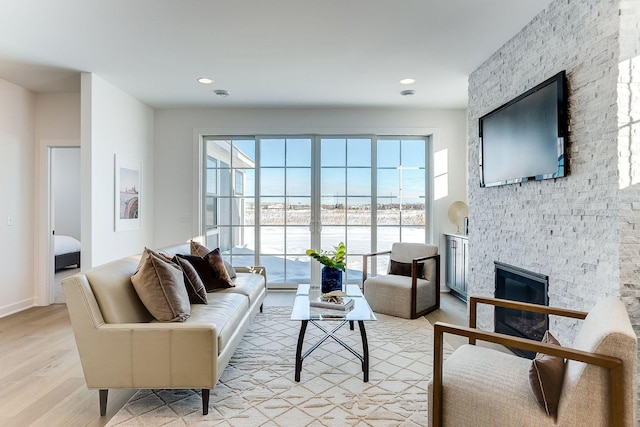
point(65, 244)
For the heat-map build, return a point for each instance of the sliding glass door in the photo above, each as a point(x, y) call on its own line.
point(285, 208)
point(345, 198)
point(230, 198)
point(268, 199)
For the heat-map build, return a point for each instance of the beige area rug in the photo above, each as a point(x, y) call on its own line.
point(258, 389)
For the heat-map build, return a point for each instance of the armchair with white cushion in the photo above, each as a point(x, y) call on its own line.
point(411, 287)
point(595, 387)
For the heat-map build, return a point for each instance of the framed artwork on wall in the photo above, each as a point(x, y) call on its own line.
point(128, 193)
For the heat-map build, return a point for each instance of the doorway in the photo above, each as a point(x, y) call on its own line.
point(64, 216)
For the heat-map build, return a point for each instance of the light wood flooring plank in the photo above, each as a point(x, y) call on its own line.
point(41, 379)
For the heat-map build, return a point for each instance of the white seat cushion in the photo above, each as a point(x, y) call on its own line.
point(391, 295)
point(247, 284)
point(482, 384)
point(225, 311)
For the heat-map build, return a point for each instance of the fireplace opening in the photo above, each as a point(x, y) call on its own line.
point(517, 284)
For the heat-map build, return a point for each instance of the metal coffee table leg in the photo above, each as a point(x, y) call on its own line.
point(365, 351)
point(303, 328)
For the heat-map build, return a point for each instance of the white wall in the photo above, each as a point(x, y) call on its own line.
point(112, 122)
point(17, 164)
point(177, 130)
point(65, 186)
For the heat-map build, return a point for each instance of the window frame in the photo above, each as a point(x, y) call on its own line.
point(316, 169)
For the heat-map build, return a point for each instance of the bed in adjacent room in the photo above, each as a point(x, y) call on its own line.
point(66, 251)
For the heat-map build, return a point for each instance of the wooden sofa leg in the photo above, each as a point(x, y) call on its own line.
point(205, 401)
point(261, 305)
point(103, 402)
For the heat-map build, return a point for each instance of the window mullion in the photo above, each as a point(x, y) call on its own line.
point(257, 201)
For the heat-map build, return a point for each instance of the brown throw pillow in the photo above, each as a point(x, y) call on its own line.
point(546, 375)
point(165, 256)
point(195, 288)
point(211, 270)
point(404, 268)
point(160, 286)
point(200, 250)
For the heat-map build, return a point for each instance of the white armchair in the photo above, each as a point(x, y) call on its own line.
point(480, 386)
point(411, 287)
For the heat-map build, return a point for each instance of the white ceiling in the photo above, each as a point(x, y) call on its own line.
point(282, 53)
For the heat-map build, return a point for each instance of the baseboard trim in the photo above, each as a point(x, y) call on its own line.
point(17, 307)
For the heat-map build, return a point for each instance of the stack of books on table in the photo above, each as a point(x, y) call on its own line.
point(339, 303)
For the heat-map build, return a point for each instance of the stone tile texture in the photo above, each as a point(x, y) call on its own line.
point(583, 231)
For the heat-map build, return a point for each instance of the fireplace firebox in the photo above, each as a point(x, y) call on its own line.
point(517, 284)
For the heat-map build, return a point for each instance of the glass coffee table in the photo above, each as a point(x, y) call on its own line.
point(302, 311)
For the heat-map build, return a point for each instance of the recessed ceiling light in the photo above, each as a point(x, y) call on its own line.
point(205, 80)
point(222, 93)
point(407, 81)
point(408, 92)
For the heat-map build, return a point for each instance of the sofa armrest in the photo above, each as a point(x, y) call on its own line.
point(612, 364)
point(148, 355)
point(254, 269)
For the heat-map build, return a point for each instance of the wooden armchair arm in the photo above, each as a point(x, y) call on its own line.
point(365, 260)
point(517, 305)
point(613, 364)
point(414, 283)
point(414, 267)
point(377, 253)
point(415, 261)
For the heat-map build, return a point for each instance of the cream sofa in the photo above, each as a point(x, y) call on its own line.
point(122, 346)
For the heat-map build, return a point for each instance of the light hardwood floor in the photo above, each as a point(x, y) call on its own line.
point(41, 379)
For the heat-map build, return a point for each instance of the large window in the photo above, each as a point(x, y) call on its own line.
point(229, 198)
point(268, 199)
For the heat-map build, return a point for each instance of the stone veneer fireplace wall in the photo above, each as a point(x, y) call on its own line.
point(583, 231)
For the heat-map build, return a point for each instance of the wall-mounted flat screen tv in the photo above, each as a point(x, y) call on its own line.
point(526, 138)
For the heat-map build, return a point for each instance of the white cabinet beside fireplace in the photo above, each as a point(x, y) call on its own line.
point(457, 261)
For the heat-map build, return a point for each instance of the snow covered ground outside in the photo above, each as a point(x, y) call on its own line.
point(282, 248)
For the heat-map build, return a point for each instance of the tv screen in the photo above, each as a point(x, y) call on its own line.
point(525, 138)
